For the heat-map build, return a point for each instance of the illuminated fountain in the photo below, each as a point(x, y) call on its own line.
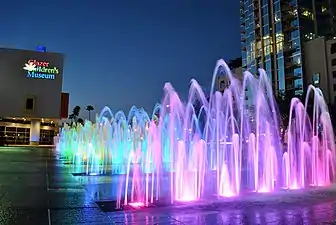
point(207, 148)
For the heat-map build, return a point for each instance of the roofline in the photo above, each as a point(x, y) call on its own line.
point(28, 50)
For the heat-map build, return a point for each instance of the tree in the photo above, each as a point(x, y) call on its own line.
point(89, 108)
point(283, 100)
point(284, 103)
point(76, 111)
point(81, 121)
point(332, 112)
point(74, 117)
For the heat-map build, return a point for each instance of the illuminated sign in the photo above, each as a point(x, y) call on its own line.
point(40, 70)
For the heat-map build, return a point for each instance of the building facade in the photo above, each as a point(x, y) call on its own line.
point(30, 95)
point(331, 62)
point(320, 66)
point(273, 33)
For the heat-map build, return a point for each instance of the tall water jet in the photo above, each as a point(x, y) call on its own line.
point(213, 146)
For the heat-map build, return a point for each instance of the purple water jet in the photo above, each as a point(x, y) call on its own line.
point(208, 147)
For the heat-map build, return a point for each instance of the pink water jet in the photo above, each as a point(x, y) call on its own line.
point(215, 144)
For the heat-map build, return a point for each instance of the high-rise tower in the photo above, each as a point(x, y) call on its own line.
point(273, 33)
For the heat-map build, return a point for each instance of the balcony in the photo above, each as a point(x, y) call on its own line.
point(291, 76)
point(292, 87)
point(325, 12)
point(287, 8)
point(288, 15)
point(289, 28)
point(285, 2)
point(289, 49)
point(291, 65)
point(257, 29)
point(241, 5)
point(256, 8)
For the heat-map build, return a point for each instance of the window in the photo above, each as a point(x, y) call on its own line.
point(334, 87)
point(333, 62)
point(334, 74)
point(333, 49)
point(298, 72)
point(298, 83)
point(17, 135)
point(47, 137)
point(298, 93)
point(266, 30)
point(281, 76)
point(264, 10)
point(2, 132)
point(316, 78)
point(278, 26)
point(307, 14)
point(29, 104)
point(297, 59)
point(277, 6)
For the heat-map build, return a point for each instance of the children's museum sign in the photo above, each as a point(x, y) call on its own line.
point(40, 70)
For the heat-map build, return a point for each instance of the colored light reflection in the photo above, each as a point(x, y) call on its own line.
point(186, 198)
point(207, 146)
point(227, 194)
point(93, 174)
point(136, 205)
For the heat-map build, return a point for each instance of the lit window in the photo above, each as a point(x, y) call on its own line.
point(308, 14)
point(268, 48)
point(295, 12)
point(316, 78)
point(297, 59)
point(279, 42)
point(309, 36)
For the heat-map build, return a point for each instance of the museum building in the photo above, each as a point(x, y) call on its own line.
point(31, 98)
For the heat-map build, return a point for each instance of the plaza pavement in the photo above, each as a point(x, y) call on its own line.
point(37, 188)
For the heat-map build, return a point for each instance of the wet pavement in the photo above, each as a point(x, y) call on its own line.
point(36, 188)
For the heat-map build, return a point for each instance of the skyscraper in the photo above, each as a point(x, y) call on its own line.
point(273, 33)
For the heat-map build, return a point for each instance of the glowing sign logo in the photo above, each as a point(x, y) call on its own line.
point(40, 70)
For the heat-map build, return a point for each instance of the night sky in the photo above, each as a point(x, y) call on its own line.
point(120, 53)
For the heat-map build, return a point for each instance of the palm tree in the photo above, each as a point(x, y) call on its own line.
point(89, 108)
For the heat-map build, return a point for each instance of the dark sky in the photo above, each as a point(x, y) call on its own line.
point(120, 53)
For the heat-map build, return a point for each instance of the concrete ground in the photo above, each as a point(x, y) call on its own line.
point(36, 188)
